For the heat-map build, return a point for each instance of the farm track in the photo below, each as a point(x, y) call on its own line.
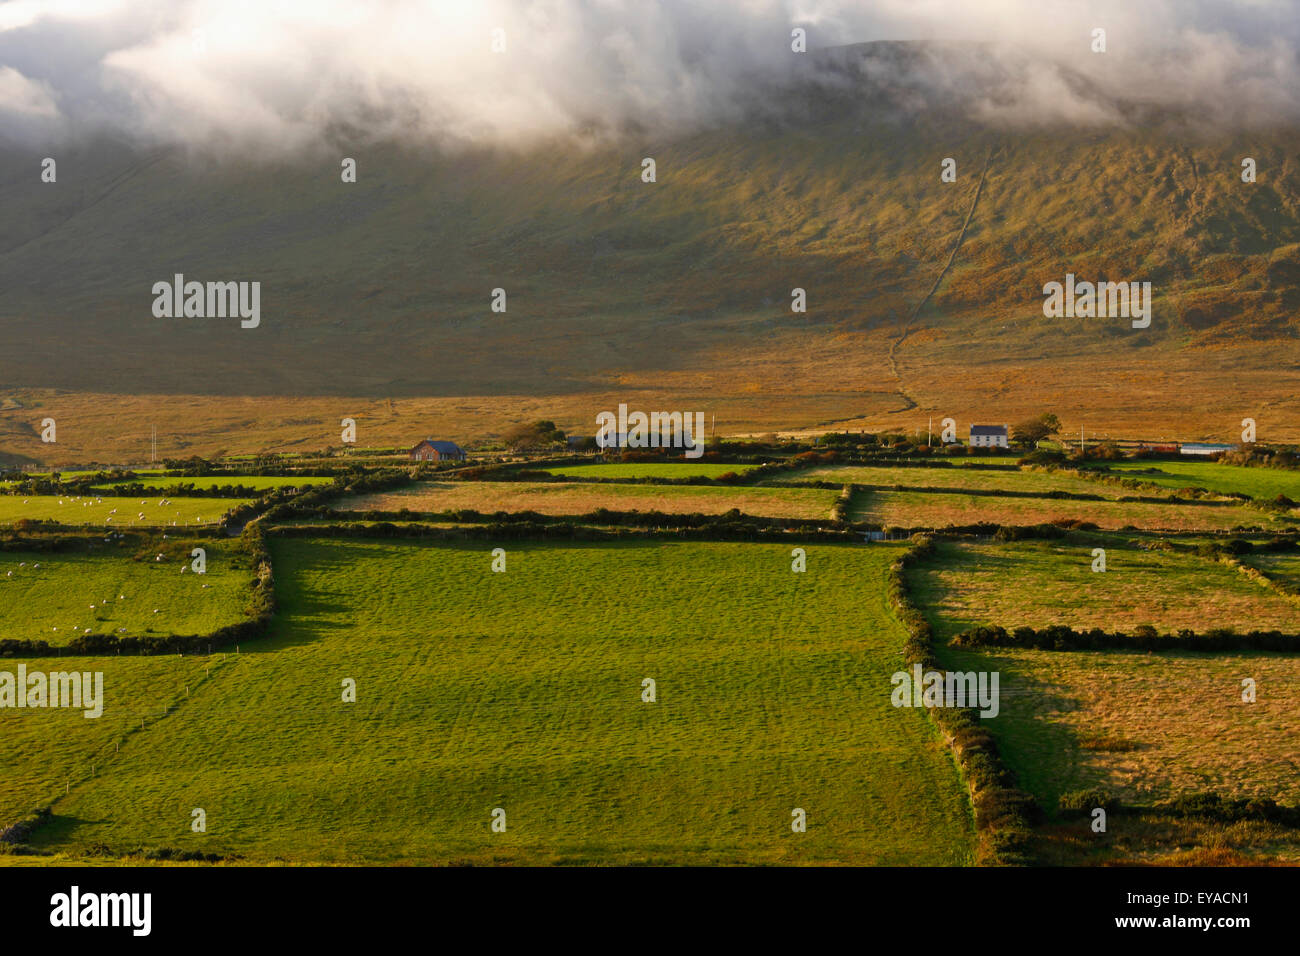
point(952, 257)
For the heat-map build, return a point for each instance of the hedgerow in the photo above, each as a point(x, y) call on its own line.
point(259, 612)
point(1061, 637)
point(1003, 813)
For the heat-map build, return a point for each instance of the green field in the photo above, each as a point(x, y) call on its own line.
point(43, 751)
point(123, 512)
point(1037, 583)
point(572, 498)
point(220, 481)
point(649, 469)
point(1265, 483)
point(49, 596)
point(1284, 567)
point(522, 690)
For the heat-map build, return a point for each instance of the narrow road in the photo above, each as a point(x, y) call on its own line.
point(952, 257)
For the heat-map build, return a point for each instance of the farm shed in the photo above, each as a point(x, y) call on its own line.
point(1205, 448)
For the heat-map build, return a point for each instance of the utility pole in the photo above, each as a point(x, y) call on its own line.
point(929, 429)
point(1081, 448)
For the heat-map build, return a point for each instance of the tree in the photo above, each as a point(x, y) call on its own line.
point(534, 435)
point(1036, 429)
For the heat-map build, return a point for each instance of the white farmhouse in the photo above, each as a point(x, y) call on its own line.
point(988, 436)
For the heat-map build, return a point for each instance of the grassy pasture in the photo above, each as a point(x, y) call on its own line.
point(1037, 583)
point(53, 602)
point(1285, 567)
point(920, 509)
point(983, 459)
point(261, 482)
point(1266, 483)
point(42, 750)
point(648, 469)
point(1145, 727)
point(576, 499)
point(124, 512)
point(523, 691)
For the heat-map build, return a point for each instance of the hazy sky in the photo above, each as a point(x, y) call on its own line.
point(284, 72)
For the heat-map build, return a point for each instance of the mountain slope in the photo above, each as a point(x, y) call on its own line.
point(673, 291)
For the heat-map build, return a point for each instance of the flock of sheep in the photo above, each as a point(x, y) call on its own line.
point(139, 517)
point(106, 601)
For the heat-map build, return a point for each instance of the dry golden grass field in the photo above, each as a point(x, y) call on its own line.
point(1037, 583)
point(1036, 480)
point(921, 510)
point(572, 498)
point(1146, 727)
point(801, 383)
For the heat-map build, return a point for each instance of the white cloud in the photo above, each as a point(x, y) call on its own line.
point(287, 71)
point(23, 96)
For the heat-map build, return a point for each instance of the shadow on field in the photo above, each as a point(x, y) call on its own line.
point(1044, 753)
point(59, 827)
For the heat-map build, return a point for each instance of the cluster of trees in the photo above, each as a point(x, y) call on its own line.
point(1031, 431)
point(539, 434)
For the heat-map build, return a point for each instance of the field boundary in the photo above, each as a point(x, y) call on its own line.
point(1062, 637)
point(1003, 813)
point(260, 611)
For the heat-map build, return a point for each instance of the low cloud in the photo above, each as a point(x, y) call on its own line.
point(285, 74)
